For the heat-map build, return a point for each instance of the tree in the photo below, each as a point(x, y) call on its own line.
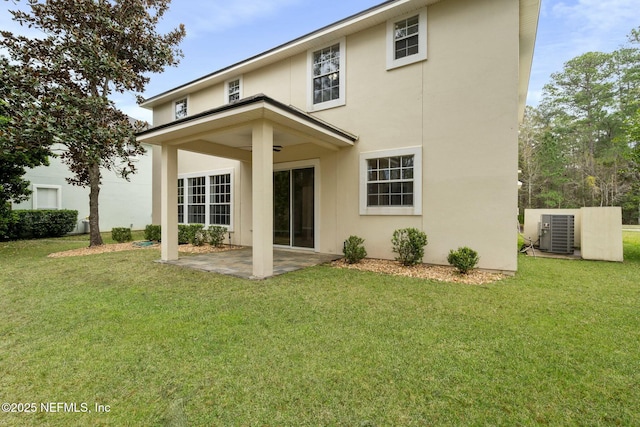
point(589, 100)
point(17, 154)
point(528, 141)
point(91, 49)
point(580, 147)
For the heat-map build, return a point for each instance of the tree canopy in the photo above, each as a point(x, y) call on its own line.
point(90, 50)
point(24, 136)
point(579, 146)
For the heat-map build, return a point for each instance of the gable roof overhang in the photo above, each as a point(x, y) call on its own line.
point(352, 24)
point(528, 25)
point(227, 131)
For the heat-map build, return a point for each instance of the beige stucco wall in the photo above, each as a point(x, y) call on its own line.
point(601, 233)
point(460, 106)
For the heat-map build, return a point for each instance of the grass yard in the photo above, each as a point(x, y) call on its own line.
point(157, 345)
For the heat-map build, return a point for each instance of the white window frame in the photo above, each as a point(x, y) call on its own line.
point(36, 187)
point(183, 204)
point(416, 209)
point(226, 89)
point(210, 203)
point(175, 112)
point(190, 194)
point(207, 175)
point(392, 62)
point(341, 100)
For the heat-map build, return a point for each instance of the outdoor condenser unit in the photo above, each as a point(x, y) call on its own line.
point(556, 233)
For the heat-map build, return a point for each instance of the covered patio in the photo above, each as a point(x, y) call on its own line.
point(248, 130)
point(239, 262)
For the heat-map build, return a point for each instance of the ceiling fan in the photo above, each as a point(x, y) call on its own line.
point(276, 148)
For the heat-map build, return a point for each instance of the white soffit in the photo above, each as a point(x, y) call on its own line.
point(529, 15)
point(361, 21)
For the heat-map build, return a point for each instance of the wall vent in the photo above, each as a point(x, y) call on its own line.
point(557, 233)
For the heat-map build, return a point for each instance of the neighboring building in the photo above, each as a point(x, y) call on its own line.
point(404, 115)
point(122, 203)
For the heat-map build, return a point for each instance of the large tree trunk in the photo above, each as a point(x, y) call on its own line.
point(95, 238)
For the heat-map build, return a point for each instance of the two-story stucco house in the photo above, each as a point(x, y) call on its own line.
point(404, 115)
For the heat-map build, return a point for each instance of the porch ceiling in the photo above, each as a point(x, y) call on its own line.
point(227, 131)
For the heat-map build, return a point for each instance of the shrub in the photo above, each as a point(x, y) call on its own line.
point(216, 235)
point(187, 233)
point(409, 244)
point(354, 250)
point(200, 237)
point(464, 259)
point(121, 234)
point(38, 224)
point(153, 233)
point(6, 217)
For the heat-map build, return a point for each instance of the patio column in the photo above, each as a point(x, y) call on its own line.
point(169, 200)
point(262, 198)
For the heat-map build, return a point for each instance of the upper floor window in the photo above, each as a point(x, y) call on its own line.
point(181, 109)
point(407, 39)
point(233, 90)
point(326, 76)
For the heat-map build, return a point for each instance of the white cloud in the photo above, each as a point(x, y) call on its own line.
point(128, 105)
point(219, 16)
point(569, 28)
point(597, 22)
point(598, 14)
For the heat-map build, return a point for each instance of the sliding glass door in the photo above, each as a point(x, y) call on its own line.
point(294, 208)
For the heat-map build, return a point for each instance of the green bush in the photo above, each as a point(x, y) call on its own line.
point(5, 220)
point(38, 224)
point(187, 233)
point(153, 233)
point(121, 234)
point(216, 235)
point(464, 259)
point(409, 244)
point(200, 237)
point(354, 250)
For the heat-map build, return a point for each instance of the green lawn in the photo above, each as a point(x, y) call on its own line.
point(557, 344)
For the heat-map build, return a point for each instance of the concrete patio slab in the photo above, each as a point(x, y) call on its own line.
point(238, 262)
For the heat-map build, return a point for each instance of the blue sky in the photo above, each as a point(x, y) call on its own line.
point(220, 33)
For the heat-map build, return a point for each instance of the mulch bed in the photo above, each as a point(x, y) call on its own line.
point(422, 271)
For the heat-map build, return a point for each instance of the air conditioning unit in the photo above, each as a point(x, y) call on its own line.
point(556, 233)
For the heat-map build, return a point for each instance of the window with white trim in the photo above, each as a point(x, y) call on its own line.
point(391, 182)
point(233, 90)
point(407, 39)
point(47, 196)
point(220, 199)
point(197, 200)
point(326, 76)
point(206, 198)
point(180, 108)
point(181, 200)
